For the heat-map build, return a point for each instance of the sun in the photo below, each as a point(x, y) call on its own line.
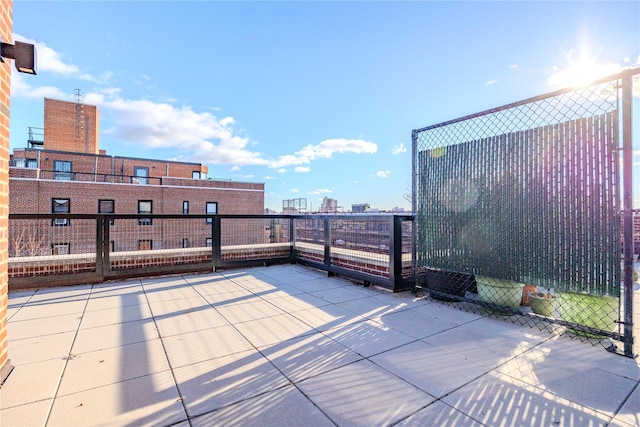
point(581, 72)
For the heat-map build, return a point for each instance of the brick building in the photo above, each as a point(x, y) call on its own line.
point(68, 173)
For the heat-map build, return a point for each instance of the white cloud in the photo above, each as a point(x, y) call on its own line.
point(20, 88)
point(383, 174)
point(397, 149)
point(247, 176)
point(235, 168)
point(636, 153)
point(325, 150)
point(491, 82)
point(513, 66)
point(320, 191)
point(294, 190)
point(50, 61)
point(268, 177)
point(197, 136)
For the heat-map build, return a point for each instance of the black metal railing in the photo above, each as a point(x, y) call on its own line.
point(64, 249)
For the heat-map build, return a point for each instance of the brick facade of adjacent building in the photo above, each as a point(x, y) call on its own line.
point(41, 178)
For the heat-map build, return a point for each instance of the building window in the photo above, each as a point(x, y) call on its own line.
point(141, 175)
point(185, 242)
point(195, 175)
point(145, 207)
point(62, 170)
point(107, 207)
point(59, 206)
point(145, 245)
point(25, 163)
point(185, 207)
point(212, 209)
point(60, 249)
point(208, 242)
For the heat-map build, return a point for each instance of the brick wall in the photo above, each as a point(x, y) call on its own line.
point(6, 25)
point(85, 165)
point(69, 126)
point(34, 196)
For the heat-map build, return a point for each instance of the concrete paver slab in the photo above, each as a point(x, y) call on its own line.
point(116, 315)
point(151, 400)
point(189, 322)
point(272, 330)
point(429, 368)
point(285, 407)
point(30, 414)
point(441, 415)
point(38, 349)
point(99, 368)
point(308, 356)
point(198, 346)
point(226, 380)
point(246, 311)
point(487, 341)
point(362, 394)
point(328, 317)
point(43, 326)
point(572, 379)
point(368, 338)
point(174, 307)
point(31, 383)
point(629, 414)
point(42, 310)
point(118, 298)
point(499, 399)
point(109, 336)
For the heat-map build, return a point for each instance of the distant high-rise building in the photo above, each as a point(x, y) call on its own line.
point(360, 207)
point(329, 205)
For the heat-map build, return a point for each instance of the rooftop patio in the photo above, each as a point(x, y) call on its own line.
point(287, 345)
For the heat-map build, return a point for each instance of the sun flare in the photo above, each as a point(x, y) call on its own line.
point(582, 72)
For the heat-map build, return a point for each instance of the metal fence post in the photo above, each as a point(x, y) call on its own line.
point(627, 159)
point(327, 242)
point(395, 252)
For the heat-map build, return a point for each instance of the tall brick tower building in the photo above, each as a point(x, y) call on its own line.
point(71, 126)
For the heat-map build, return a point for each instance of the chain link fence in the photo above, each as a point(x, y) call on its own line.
point(518, 211)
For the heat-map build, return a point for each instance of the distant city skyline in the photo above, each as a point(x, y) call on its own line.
point(315, 99)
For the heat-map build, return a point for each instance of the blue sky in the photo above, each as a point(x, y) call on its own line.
point(315, 99)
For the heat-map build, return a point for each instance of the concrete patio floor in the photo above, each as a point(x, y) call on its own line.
point(289, 346)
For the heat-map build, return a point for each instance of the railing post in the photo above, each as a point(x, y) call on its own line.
point(627, 167)
point(292, 239)
point(99, 245)
point(102, 245)
point(216, 243)
point(395, 252)
point(327, 242)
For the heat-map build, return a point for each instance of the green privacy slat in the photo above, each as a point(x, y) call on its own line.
point(529, 193)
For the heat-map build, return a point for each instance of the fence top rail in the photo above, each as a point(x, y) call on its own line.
point(625, 73)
